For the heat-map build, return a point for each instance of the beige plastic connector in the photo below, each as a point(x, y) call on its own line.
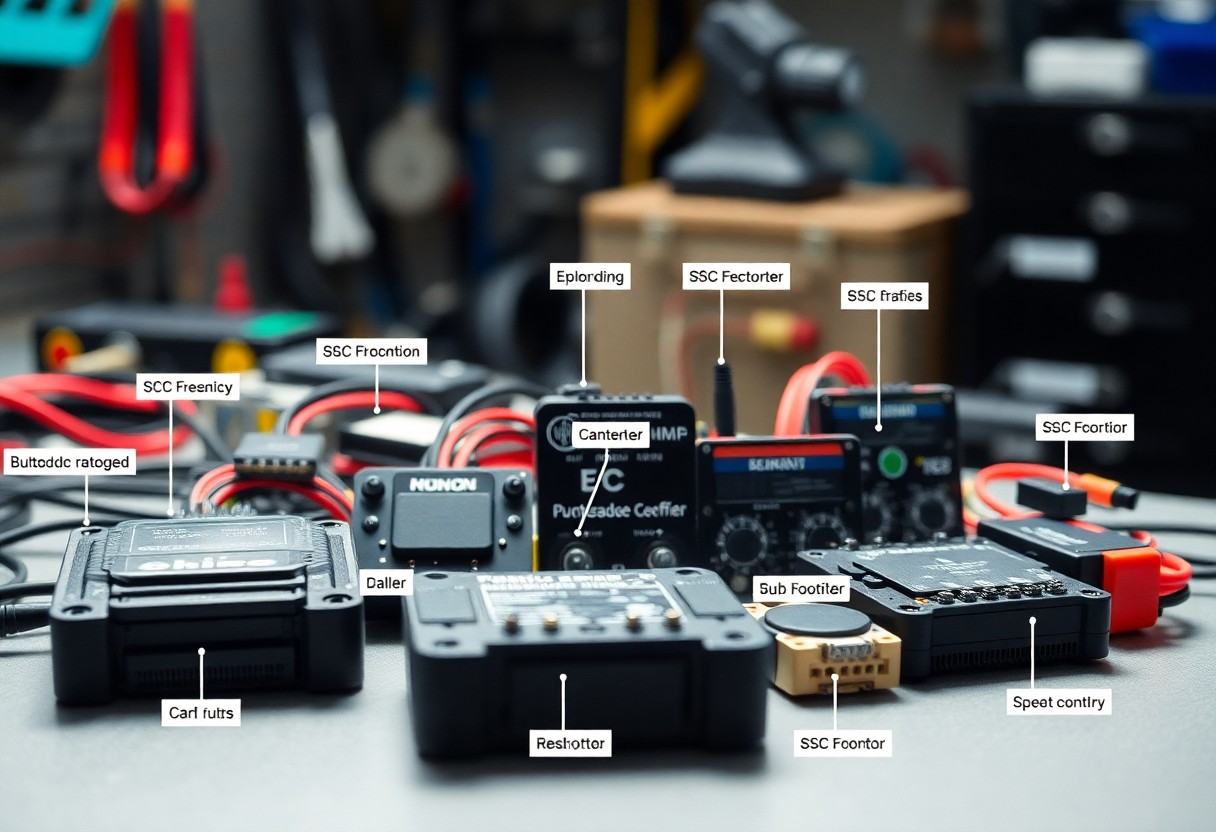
point(805, 664)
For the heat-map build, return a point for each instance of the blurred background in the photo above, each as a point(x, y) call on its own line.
point(261, 173)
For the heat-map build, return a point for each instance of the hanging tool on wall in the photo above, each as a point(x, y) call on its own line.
point(655, 101)
point(339, 230)
point(152, 104)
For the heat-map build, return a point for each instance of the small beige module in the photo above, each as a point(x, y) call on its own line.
point(816, 640)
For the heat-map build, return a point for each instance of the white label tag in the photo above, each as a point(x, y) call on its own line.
point(610, 435)
point(1058, 702)
point(200, 713)
point(386, 582)
point(827, 588)
point(371, 350)
point(884, 295)
point(1085, 427)
point(557, 743)
point(842, 743)
point(596, 277)
point(84, 462)
point(199, 387)
point(751, 277)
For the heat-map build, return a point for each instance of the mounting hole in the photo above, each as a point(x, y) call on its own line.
point(1092, 592)
point(336, 598)
point(687, 572)
point(78, 609)
point(735, 635)
point(447, 642)
point(90, 530)
point(436, 576)
point(909, 608)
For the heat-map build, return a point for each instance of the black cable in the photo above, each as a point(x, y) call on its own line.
point(1174, 598)
point(724, 400)
point(19, 618)
point(16, 566)
point(50, 491)
point(334, 388)
point(11, 592)
point(475, 400)
point(1158, 528)
point(216, 446)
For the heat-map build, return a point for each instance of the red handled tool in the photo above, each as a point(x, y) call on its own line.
point(176, 139)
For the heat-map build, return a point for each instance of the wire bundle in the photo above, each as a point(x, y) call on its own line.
point(221, 484)
point(493, 437)
point(35, 396)
point(1176, 572)
point(475, 434)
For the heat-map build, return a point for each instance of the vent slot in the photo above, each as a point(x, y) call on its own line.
point(224, 670)
point(998, 656)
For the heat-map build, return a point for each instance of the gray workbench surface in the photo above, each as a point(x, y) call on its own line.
point(347, 762)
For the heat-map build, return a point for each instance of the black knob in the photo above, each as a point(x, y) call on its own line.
point(744, 546)
point(577, 557)
point(373, 488)
point(370, 523)
point(932, 515)
point(822, 537)
point(513, 488)
point(661, 556)
point(515, 523)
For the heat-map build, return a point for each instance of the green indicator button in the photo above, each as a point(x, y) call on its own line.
point(892, 462)
point(279, 324)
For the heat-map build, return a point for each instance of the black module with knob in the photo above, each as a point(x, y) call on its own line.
point(910, 468)
point(456, 519)
point(762, 500)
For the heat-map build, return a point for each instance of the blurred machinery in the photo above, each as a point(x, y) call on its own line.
point(1090, 255)
point(764, 67)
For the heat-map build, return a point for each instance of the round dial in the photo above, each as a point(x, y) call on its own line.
point(821, 530)
point(932, 510)
point(876, 515)
point(742, 541)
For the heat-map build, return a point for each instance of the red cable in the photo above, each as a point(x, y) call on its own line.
point(175, 127)
point(521, 460)
point(791, 412)
point(467, 423)
point(489, 435)
point(336, 509)
point(1175, 571)
point(23, 394)
point(351, 401)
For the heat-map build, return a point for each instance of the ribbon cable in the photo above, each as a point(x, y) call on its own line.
point(175, 134)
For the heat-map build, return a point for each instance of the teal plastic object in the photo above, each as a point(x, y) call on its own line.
point(52, 32)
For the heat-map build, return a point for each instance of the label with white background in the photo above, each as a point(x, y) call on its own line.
point(842, 743)
point(884, 295)
point(595, 277)
point(751, 277)
point(785, 588)
point(1085, 427)
point(559, 743)
point(166, 387)
point(200, 713)
point(386, 581)
point(349, 351)
point(1058, 702)
point(610, 435)
point(77, 462)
